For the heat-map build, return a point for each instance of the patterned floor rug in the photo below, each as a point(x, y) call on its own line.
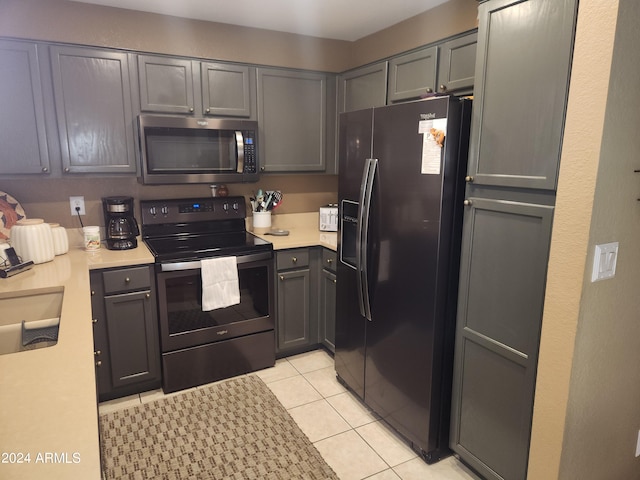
point(235, 429)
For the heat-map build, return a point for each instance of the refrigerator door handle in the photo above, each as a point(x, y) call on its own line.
point(366, 189)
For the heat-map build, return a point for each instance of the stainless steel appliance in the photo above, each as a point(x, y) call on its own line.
point(120, 225)
point(402, 171)
point(197, 150)
point(204, 346)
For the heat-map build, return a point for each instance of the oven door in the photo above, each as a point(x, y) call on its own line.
point(183, 324)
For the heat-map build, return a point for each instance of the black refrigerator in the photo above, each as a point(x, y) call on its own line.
point(401, 185)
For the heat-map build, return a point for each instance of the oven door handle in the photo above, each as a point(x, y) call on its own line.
point(195, 264)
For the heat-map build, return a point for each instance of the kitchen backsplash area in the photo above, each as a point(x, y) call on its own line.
point(49, 198)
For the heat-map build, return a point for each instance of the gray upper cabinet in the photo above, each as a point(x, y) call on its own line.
point(226, 89)
point(363, 87)
point(22, 123)
point(412, 75)
point(185, 86)
point(292, 119)
point(93, 103)
point(456, 65)
point(166, 84)
point(521, 83)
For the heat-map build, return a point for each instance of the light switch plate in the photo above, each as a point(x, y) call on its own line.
point(604, 261)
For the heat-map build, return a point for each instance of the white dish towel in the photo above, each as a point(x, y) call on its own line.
point(220, 286)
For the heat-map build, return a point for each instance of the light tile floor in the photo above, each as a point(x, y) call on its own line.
point(352, 440)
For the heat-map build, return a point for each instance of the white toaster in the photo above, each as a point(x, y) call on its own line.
point(329, 218)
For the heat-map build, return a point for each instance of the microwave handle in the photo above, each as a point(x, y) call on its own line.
point(240, 151)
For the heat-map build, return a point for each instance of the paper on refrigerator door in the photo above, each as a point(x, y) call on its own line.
point(433, 135)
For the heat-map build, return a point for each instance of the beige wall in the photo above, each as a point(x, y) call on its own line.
point(450, 18)
point(64, 21)
point(73, 22)
point(49, 199)
point(586, 414)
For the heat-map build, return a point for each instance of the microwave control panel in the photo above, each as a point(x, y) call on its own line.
point(249, 152)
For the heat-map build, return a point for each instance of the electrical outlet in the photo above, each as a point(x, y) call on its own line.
point(77, 202)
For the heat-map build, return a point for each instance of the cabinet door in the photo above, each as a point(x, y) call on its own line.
point(132, 336)
point(226, 89)
point(328, 309)
point(457, 64)
point(166, 84)
point(292, 120)
point(523, 63)
point(502, 281)
point(363, 88)
point(412, 75)
point(293, 309)
point(22, 125)
point(100, 340)
point(93, 104)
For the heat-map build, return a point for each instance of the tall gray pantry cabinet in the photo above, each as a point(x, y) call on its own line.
point(521, 84)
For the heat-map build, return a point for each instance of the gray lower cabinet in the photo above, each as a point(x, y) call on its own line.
point(187, 86)
point(363, 87)
point(327, 304)
point(126, 344)
point(292, 118)
point(296, 284)
point(502, 279)
point(456, 65)
point(523, 46)
point(22, 123)
point(92, 96)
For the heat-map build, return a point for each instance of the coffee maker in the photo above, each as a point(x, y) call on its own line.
point(120, 225)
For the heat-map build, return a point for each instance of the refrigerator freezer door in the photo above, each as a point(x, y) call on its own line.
point(354, 150)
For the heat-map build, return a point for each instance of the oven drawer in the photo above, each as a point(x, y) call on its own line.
point(126, 279)
point(294, 258)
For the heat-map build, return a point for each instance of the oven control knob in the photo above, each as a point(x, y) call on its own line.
point(153, 211)
point(165, 210)
point(236, 206)
point(225, 207)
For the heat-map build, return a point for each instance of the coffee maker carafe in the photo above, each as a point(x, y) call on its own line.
point(120, 225)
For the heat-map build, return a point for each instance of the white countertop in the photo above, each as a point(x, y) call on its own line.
point(303, 231)
point(48, 401)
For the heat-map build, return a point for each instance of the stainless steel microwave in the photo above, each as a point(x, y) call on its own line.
point(176, 150)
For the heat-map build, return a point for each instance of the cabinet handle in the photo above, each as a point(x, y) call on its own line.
point(127, 280)
point(443, 88)
point(281, 277)
point(98, 363)
point(191, 109)
point(468, 179)
point(97, 352)
point(93, 292)
point(294, 259)
point(208, 110)
point(262, 169)
point(335, 281)
point(67, 169)
point(429, 90)
point(45, 169)
point(468, 203)
point(94, 320)
point(147, 296)
point(329, 261)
